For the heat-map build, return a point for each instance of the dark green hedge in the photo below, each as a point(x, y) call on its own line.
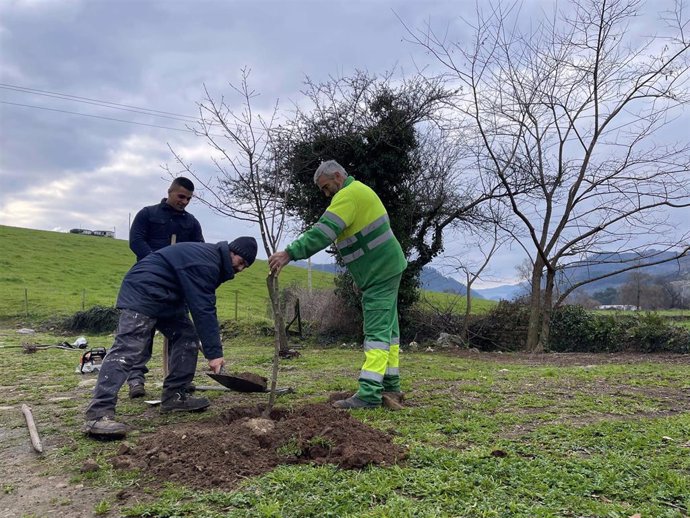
point(98, 319)
point(573, 329)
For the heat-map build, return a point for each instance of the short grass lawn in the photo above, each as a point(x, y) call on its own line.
point(488, 435)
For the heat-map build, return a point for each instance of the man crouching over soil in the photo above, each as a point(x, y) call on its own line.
point(156, 293)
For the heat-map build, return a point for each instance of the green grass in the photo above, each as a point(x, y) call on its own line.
point(677, 317)
point(61, 273)
point(488, 436)
point(451, 303)
point(57, 272)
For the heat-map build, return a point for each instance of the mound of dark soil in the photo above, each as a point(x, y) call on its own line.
point(221, 452)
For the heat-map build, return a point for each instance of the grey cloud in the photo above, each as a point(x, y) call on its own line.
point(157, 55)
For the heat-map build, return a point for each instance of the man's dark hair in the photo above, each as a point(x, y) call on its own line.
point(183, 182)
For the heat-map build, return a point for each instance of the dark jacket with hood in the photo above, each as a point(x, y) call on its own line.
point(167, 282)
point(153, 227)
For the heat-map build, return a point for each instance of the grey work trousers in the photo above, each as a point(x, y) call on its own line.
point(137, 374)
point(134, 331)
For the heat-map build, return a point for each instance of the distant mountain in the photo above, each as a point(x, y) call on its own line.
point(602, 263)
point(595, 265)
point(431, 279)
point(503, 292)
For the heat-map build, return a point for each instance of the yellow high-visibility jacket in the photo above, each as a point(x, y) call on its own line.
point(358, 223)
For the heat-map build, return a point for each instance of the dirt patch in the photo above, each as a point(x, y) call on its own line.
point(221, 452)
point(26, 489)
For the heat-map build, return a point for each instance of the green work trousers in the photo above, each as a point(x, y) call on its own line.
point(380, 371)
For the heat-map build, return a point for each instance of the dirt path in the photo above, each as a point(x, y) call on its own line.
point(26, 488)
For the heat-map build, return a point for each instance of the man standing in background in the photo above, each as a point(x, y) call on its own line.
point(152, 229)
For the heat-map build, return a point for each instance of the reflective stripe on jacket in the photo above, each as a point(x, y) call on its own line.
point(357, 222)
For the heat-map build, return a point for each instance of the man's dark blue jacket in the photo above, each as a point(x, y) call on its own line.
point(153, 227)
point(161, 284)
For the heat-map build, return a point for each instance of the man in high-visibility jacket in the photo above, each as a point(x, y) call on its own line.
point(358, 223)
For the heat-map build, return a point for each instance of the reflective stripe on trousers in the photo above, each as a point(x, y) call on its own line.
point(380, 309)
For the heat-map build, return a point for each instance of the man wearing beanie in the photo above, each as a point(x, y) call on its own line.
point(244, 247)
point(155, 294)
point(357, 222)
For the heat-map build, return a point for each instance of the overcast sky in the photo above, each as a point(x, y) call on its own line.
point(61, 170)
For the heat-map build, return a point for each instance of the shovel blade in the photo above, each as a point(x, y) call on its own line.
point(238, 383)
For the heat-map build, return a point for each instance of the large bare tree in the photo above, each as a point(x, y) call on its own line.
point(576, 117)
point(248, 184)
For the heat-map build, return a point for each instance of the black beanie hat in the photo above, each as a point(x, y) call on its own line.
point(245, 247)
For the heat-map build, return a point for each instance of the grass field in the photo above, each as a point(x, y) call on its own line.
point(677, 317)
point(450, 303)
point(488, 435)
point(58, 273)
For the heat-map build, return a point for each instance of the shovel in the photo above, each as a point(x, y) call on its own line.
point(245, 382)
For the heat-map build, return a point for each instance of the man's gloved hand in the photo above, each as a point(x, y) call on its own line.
point(216, 364)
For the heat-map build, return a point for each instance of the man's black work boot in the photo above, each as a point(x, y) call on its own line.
point(181, 401)
point(106, 428)
point(137, 390)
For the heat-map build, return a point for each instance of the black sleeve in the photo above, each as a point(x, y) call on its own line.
point(139, 235)
point(197, 234)
point(199, 288)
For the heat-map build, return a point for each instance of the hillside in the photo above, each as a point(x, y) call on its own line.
point(56, 271)
point(601, 264)
point(430, 280)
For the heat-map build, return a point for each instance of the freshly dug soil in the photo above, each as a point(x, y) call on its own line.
point(219, 453)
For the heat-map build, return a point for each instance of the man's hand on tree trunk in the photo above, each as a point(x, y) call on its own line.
point(277, 261)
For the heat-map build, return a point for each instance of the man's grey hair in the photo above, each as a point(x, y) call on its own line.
point(329, 168)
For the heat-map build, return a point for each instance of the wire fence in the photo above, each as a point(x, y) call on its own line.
point(43, 303)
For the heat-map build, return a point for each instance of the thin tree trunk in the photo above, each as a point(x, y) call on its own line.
point(547, 306)
point(534, 326)
point(280, 340)
point(468, 311)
